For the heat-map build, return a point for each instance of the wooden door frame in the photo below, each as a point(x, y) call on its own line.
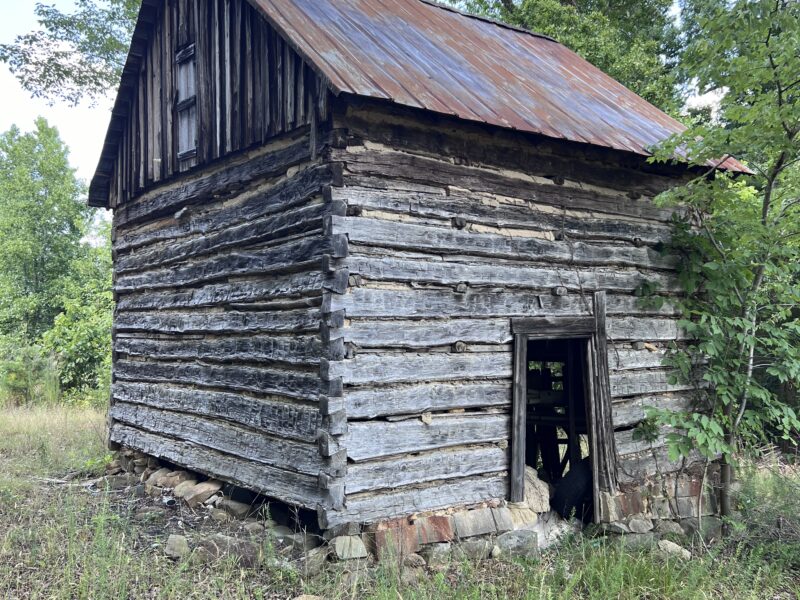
point(598, 395)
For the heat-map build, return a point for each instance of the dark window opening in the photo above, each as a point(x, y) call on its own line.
point(186, 102)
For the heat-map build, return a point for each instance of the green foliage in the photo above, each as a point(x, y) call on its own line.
point(55, 277)
point(42, 221)
point(739, 240)
point(73, 55)
point(636, 43)
point(28, 374)
point(81, 334)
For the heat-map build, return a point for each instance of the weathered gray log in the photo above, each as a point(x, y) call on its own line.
point(413, 368)
point(416, 469)
point(230, 322)
point(635, 383)
point(281, 196)
point(294, 421)
point(218, 435)
point(289, 256)
point(298, 489)
point(465, 143)
point(425, 303)
point(410, 167)
point(475, 209)
point(375, 506)
point(639, 329)
point(307, 220)
point(295, 349)
point(424, 334)
point(445, 240)
point(282, 383)
point(270, 161)
point(630, 411)
point(626, 359)
point(420, 398)
point(296, 285)
point(367, 440)
point(482, 272)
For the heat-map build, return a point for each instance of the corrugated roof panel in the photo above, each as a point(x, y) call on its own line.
point(425, 56)
point(422, 55)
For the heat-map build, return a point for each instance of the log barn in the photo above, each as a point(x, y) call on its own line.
point(372, 257)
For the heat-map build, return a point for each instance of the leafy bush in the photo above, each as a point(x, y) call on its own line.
point(28, 374)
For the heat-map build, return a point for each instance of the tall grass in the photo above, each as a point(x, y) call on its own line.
point(59, 540)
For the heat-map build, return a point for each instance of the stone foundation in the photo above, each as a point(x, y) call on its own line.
point(495, 529)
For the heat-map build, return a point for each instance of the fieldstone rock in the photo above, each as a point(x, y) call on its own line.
point(183, 488)
point(218, 546)
point(523, 543)
point(177, 547)
point(617, 528)
point(478, 549)
point(173, 478)
point(471, 523)
point(238, 510)
point(522, 517)
point(710, 528)
point(668, 527)
point(640, 524)
point(315, 560)
point(342, 530)
point(673, 549)
point(219, 516)
point(496, 552)
point(503, 520)
point(435, 529)
point(437, 556)
point(537, 492)
point(551, 529)
point(638, 541)
point(349, 547)
point(414, 561)
point(254, 528)
point(202, 492)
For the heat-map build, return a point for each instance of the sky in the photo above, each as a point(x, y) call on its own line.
point(82, 128)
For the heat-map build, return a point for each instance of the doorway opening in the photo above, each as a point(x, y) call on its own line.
point(557, 431)
point(562, 425)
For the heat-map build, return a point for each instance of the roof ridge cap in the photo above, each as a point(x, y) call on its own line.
point(453, 9)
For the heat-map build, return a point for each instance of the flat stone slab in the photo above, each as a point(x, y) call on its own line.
point(523, 544)
point(349, 547)
point(474, 522)
point(202, 492)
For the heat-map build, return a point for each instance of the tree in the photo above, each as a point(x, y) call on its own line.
point(741, 237)
point(635, 42)
point(74, 55)
point(80, 338)
point(42, 220)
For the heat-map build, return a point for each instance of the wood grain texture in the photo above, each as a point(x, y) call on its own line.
point(293, 421)
point(218, 435)
point(294, 488)
point(374, 439)
point(421, 468)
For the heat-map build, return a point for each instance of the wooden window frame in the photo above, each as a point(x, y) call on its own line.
point(598, 392)
point(183, 56)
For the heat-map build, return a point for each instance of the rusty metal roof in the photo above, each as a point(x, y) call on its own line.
point(424, 55)
point(421, 54)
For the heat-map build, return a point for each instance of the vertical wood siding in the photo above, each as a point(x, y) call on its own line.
point(251, 86)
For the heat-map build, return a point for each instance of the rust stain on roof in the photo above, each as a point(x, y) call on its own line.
point(422, 55)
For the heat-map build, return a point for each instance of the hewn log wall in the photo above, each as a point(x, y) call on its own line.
point(219, 278)
point(452, 232)
point(250, 85)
